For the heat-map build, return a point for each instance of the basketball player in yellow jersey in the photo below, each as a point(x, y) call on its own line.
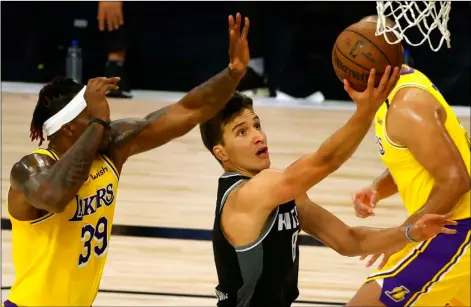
point(61, 200)
point(427, 155)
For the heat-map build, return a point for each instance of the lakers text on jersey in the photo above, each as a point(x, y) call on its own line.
point(59, 258)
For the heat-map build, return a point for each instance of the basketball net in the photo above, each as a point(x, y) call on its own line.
point(425, 15)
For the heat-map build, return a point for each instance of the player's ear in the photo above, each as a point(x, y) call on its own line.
point(220, 153)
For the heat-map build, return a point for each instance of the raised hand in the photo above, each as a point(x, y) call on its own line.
point(364, 202)
point(372, 98)
point(95, 96)
point(110, 15)
point(239, 53)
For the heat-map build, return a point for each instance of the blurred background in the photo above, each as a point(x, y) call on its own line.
point(174, 46)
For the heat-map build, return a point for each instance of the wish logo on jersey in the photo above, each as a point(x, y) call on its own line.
point(89, 205)
point(99, 173)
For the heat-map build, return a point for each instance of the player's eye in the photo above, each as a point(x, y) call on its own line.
point(241, 132)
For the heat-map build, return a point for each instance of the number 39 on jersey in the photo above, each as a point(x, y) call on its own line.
point(95, 239)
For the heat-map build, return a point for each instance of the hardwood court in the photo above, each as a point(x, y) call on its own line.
point(175, 186)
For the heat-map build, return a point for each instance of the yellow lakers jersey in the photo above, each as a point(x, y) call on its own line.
point(59, 258)
point(412, 179)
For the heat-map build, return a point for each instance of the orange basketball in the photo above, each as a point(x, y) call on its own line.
point(357, 50)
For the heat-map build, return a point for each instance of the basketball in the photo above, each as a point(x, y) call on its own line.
point(357, 50)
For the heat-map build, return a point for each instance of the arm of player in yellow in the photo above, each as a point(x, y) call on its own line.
point(384, 186)
point(133, 136)
point(357, 241)
point(422, 130)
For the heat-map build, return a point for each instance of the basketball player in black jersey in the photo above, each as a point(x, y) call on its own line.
point(260, 211)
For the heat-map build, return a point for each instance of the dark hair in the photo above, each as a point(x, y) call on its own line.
point(52, 98)
point(211, 131)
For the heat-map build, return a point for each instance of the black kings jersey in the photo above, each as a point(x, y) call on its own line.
point(264, 273)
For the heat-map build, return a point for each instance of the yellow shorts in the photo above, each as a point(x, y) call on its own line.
point(431, 273)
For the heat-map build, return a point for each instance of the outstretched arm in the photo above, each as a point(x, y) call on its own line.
point(133, 136)
point(273, 187)
point(356, 241)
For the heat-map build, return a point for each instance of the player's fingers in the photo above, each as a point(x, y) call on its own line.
point(108, 87)
point(363, 206)
point(383, 261)
point(354, 198)
point(113, 22)
point(232, 41)
point(109, 22)
point(384, 79)
point(372, 260)
point(450, 222)
point(357, 200)
point(393, 79)
point(448, 231)
point(373, 198)
point(371, 82)
point(362, 257)
point(94, 83)
point(348, 89)
point(121, 18)
point(365, 201)
point(366, 213)
point(101, 20)
point(238, 21)
point(447, 215)
point(238, 18)
point(245, 30)
point(230, 21)
point(117, 21)
point(432, 217)
point(364, 210)
point(112, 80)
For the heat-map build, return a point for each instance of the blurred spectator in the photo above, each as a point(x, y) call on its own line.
point(111, 22)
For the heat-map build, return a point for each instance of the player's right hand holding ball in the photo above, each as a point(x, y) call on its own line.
point(364, 202)
point(372, 98)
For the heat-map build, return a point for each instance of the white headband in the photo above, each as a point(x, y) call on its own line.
point(67, 114)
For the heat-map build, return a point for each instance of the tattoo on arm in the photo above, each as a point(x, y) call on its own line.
point(125, 130)
point(209, 97)
point(156, 115)
point(69, 173)
point(132, 136)
point(53, 188)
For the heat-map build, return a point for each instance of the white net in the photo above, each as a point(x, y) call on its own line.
point(426, 16)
